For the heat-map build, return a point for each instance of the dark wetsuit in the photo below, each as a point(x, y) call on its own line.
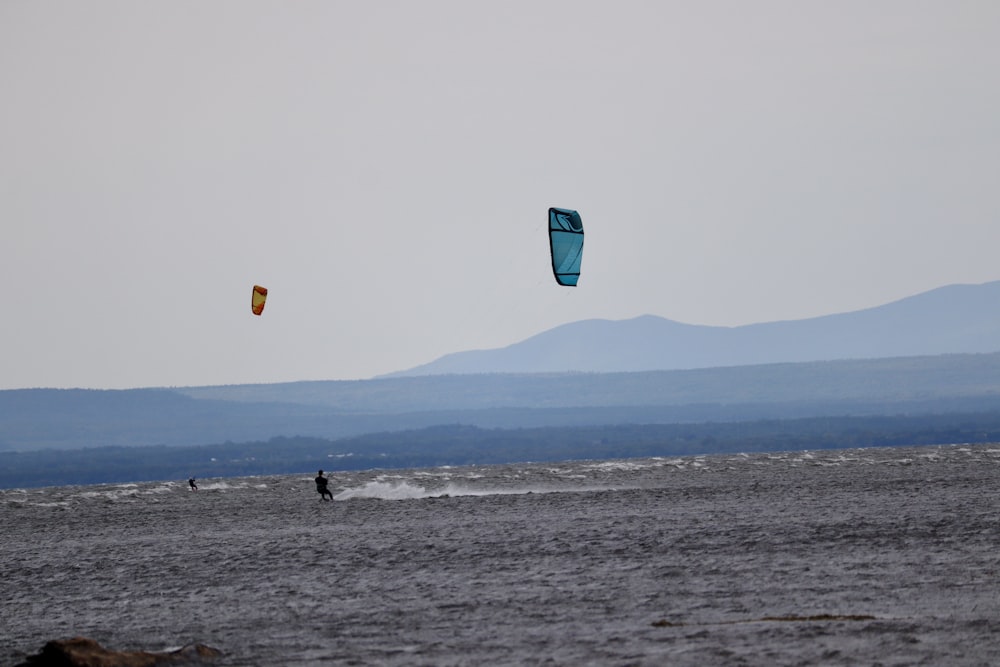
point(194, 487)
point(321, 487)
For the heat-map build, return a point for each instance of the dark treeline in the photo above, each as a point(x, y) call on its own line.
point(472, 445)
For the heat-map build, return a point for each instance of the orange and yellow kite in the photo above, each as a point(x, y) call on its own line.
point(259, 297)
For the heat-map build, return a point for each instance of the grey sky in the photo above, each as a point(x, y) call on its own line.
point(385, 169)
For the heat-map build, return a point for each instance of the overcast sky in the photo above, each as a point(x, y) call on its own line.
point(385, 170)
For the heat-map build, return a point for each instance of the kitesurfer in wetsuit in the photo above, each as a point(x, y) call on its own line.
point(321, 487)
point(194, 487)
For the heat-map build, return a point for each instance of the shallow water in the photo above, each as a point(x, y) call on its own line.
point(878, 556)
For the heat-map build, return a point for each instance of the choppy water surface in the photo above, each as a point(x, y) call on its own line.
point(879, 556)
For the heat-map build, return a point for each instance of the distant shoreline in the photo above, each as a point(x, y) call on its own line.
point(470, 445)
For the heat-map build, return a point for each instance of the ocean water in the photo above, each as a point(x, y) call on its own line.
point(852, 557)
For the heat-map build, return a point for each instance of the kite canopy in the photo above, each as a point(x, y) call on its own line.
point(258, 299)
point(566, 243)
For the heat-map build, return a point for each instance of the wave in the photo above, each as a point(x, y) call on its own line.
point(407, 491)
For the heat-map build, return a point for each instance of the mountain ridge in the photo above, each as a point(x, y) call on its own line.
point(954, 319)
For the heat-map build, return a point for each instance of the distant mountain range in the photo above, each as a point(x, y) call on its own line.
point(957, 319)
point(933, 354)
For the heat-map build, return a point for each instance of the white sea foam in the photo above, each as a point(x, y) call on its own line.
point(221, 485)
point(118, 493)
point(406, 491)
point(384, 491)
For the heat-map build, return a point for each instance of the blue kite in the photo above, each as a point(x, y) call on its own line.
point(566, 244)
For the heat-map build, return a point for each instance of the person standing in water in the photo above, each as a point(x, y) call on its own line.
point(194, 487)
point(322, 487)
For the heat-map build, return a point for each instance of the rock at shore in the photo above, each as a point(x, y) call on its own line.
point(84, 652)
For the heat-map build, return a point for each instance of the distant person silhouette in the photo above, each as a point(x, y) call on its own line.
point(194, 487)
point(321, 487)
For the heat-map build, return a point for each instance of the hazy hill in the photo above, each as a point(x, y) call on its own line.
point(948, 320)
point(33, 419)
